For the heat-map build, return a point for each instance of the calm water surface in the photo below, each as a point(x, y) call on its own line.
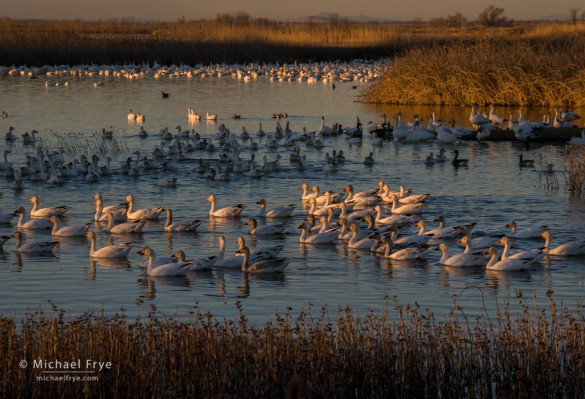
point(491, 191)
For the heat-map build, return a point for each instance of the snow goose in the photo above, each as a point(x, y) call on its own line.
point(141, 214)
point(75, 230)
point(34, 224)
point(46, 212)
point(111, 251)
point(6, 218)
point(180, 226)
point(196, 264)
point(33, 247)
point(228, 212)
point(408, 209)
point(168, 270)
point(278, 212)
point(477, 119)
point(236, 261)
point(509, 264)
point(135, 227)
point(495, 118)
point(131, 115)
point(440, 157)
point(392, 219)
point(268, 229)
point(320, 238)
point(5, 164)
point(532, 232)
point(356, 243)
point(324, 129)
point(211, 117)
point(410, 253)
point(525, 163)
point(118, 211)
point(460, 260)
point(574, 248)
point(269, 265)
point(444, 232)
point(164, 181)
point(518, 255)
point(414, 239)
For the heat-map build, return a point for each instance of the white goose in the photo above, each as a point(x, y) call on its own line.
point(33, 247)
point(414, 239)
point(180, 226)
point(118, 211)
point(278, 212)
point(135, 227)
point(68, 231)
point(510, 264)
point(444, 232)
point(142, 214)
point(518, 255)
point(407, 209)
point(228, 212)
point(196, 264)
point(236, 261)
point(532, 232)
point(268, 229)
point(477, 119)
point(111, 251)
point(34, 224)
point(367, 198)
point(167, 270)
point(574, 248)
point(46, 212)
point(460, 260)
point(269, 265)
point(356, 243)
point(392, 219)
point(329, 237)
point(410, 253)
point(211, 117)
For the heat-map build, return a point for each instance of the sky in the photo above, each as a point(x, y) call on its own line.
point(171, 10)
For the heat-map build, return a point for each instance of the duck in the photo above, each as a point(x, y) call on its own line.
point(164, 95)
point(33, 247)
point(75, 230)
point(369, 160)
point(190, 226)
point(278, 212)
point(457, 161)
point(460, 260)
point(227, 212)
point(173, 269)
point(135, 227)
point(532, 232)
point(46, 212)
point(111, 251)
point(269, 265)
point(141, 214)
point(574, 248)
point(329, 237)
point(268, 229)
point(510, 264)
point(410, 253)
point(525, 163)
point(441, 157)
point(34, 224)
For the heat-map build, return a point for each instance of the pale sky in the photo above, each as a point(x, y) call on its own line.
point(171, 10)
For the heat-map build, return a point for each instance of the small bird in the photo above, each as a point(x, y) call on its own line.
point(164, 95)
point(4, 115)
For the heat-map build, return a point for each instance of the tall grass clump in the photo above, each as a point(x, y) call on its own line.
point(514, 72)
point(574, 165)
point(523, 351)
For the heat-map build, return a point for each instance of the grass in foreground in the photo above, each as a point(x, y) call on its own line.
point(403, 352)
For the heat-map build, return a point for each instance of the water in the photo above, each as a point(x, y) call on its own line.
point(491, 191)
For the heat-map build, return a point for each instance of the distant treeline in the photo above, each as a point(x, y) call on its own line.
point(229, 38)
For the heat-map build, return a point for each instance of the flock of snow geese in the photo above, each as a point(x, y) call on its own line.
point(326, 72)
point(372, 221)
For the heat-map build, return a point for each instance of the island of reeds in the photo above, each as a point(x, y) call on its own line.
point(520, 351)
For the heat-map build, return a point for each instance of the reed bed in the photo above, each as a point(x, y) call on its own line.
point(523, 351)
point(236, 38)
point(574, 165)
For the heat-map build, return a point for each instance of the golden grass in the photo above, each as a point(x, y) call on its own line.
point(523, 351)
point(574, 165)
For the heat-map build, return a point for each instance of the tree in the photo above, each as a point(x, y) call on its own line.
point(574, 15)
point(456, 20)
point(492, 16)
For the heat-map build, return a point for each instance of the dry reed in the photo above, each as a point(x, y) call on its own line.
point(574, 165)
point(506, 72)
point(523, 351)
